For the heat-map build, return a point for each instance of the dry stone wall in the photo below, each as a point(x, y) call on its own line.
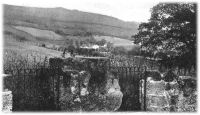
point(7, 101)
point(168, 95)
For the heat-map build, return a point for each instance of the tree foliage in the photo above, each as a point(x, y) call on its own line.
point(101, 42)
point(119, 50)
point(170, 33)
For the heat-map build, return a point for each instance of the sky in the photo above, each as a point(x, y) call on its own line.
point(127, 10)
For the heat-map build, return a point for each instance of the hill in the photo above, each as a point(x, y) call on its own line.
point(68, 22)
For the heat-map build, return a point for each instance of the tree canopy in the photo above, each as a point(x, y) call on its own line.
point(170, 33)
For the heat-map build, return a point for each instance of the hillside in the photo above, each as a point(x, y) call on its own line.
point(68, 22)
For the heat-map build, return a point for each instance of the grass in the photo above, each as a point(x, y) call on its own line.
point(47, 34)
point(13, 60)
point(117, 41)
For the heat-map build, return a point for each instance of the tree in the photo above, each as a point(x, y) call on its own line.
point(110, 46)
point(87, 34)
point(68, 42)
point(171, 28)
point(77, 43)
point(135, 51)
point(119, 50)
point(71, 49)
point(101, 42)
point(91, 40)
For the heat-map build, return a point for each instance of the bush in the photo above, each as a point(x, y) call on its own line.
point(119, 51)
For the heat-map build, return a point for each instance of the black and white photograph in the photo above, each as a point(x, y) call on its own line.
point(99, 56)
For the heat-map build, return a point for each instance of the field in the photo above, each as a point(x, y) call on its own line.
point(46, 34)
point(39, 36)
point(117, 41)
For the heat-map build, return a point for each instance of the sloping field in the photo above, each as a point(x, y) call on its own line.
point(40, 33)
point(11, 43)
point(28, 48)
point(17, 34)
point(117, 41)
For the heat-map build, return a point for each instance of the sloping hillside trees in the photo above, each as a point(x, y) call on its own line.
point(170, 34)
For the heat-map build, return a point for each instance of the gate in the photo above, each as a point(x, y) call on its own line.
point(129, 81)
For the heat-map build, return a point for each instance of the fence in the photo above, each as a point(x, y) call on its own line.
point(32, 89)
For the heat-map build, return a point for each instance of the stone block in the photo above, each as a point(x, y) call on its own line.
point(7, 101)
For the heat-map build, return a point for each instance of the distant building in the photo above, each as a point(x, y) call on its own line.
point(96, 47)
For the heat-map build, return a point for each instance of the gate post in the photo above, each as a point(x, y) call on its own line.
point(145, 80)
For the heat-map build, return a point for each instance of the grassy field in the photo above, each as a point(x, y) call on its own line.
point(46, 34)
point(24, 53)
point(51, 37)
point(117, 41)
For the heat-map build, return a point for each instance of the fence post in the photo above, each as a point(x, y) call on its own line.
point(58, 89)
point(24, 84)
point(145, 80)
point(126, 69)
point(145, 68)
point(130, 74)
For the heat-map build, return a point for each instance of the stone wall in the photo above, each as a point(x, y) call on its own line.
point(167, 95)
point(7, 101)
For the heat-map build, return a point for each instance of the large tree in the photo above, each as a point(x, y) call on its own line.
point(170, 34)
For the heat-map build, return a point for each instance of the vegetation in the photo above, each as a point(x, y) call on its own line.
point(119, 51)
point(170, 35)
point(16, 61)
point(75, 23)
point(101, 42)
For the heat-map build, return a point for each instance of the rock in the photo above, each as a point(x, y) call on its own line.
point(187, 100)
point(114, 100)
point(155, 87)
point(187, 104)
point(157, 99)
point(156, 96)
point(169, 94)
point(7, 101)
point(113, 95)
point(84, 82)
point(84, 92)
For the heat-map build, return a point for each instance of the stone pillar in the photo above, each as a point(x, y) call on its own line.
point(7, 94)
point(157, 97)
point(7, 101)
